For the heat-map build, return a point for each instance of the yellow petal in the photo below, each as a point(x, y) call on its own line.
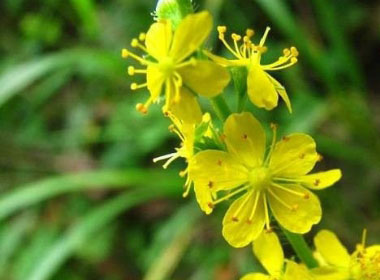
point(268, 250)
point(158, 39)
point(295, 155)
point(245, 138)
point(261, 90)
point(244, 220)
point(204, 198)
point(217, 170)
point(295, 271)
point(155, 80)
point(190, 34)
point(255, 276)
point(281, 91)
point(205, 78)
point(321, 180)
point(187, 109)
point(294, 207)
point(329, 273)
point(331, 249)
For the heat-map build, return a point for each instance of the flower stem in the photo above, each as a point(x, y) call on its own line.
point(301, 248)
point(220, 107)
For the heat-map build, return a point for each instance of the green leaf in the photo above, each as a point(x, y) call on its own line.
point(27, 195)
point(174, 10)
point(89, 225)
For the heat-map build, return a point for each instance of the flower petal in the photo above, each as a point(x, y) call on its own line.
point(321, 180)
point(242, 223)
point(295, 155)
point(331, 249)
point(187, 109)
point(329, 273)
point(255, 276)
point(281, 91)
point(158, 39)
point(198, 78)
point(268, 250)
point(155, 80)
point(245, 138)
point(261, 90)
point(295, 271)
point(294, 207)
point(190, 34)
point(204, 198)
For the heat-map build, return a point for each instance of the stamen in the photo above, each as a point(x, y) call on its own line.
point(241, 206)
point(249, 32)
point(222, 30)
point(164, 157)
point(262, 41)
point(292, 208)
point(231, 194)
point(136, 44)
point(192, 62)
point(300, 194)
point(142, 37)
point(254, 207)
point(236, 38)
point(143, 108)
point(125, 53)
point(132, 71)
point(274, 127)
point(135, 86)
point(267, 221)
point(170, 160)
point(187, 187)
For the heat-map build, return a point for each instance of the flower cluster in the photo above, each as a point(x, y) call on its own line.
point(263, 181)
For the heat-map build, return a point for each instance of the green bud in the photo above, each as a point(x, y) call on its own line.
point(173, 10)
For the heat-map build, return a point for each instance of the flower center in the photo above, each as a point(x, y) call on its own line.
point(367, 265)
point(167, 66)
point(259, 178)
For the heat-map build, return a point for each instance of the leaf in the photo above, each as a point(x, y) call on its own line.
point(89, 225)
point(27, 195)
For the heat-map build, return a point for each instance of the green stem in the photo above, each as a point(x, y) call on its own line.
point(239, 76)
point(301, 248)
point(220, 107)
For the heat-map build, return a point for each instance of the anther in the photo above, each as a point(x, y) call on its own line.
point(210, 205)
point(235, 219)
point(142, 37)
point(182, 173)
point(235, 37)
point(222, 29)
point(249, 32)
point(134, 86)
point(294, 51)
point(293, 60)
point(320, 157)
point(286, 52)
point(131, 70)
point(141, 108)
point(206, 117)
point(124, 53)
point(134, 43)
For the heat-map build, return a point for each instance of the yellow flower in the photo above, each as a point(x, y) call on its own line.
point(184, 125)
point(268, 250)
point(168, 64)
point(263, 89)
point(337, 264)
point(277, 178)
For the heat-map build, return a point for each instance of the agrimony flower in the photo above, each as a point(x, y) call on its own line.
point(185, 124)
point(277, 179)
point(263, 89)
point(168, 64)
point(268, 250)
point(337, 264)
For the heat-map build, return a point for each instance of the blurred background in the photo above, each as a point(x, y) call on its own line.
point(79, 195)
